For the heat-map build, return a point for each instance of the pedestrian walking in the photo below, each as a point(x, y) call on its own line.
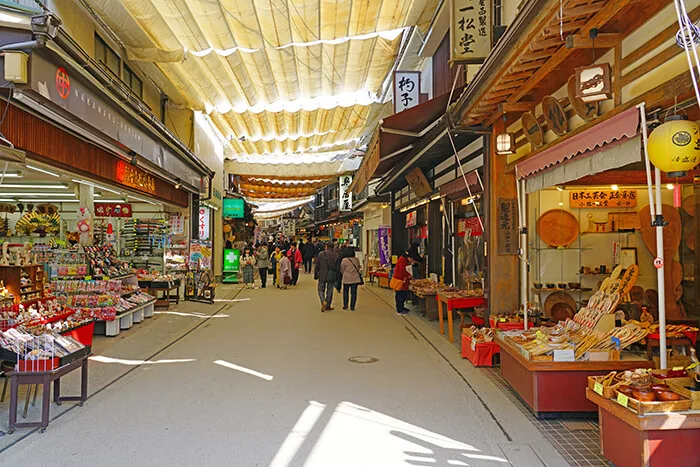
point(326, 273)
point(247, 264)
point(276, 257)
point(285, 273)
point(308, 254)
point(296, 259)
point(262, 258)
point(351, 277)
point(400, 282)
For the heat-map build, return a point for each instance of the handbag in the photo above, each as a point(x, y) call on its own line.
point(396, 284)
point(362, 281)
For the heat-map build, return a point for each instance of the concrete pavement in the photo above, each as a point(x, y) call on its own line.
point(263, 378)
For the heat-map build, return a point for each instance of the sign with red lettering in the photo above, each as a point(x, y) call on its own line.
point(472, 225)
point(62, 83)
point(134, 177)
point(602, 199)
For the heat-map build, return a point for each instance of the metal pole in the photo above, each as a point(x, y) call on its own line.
point(522, 221)
point(454, 250)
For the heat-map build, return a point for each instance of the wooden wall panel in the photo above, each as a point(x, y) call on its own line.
point(54, 146)
point(443, 74)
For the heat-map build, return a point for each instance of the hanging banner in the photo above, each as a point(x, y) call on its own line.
point(470, 225)
point(406, 90)
point(384, 234)
point(345, 193)
point(288, 227)
point(113, 210)
point(470, 30)
point(411, 218)
point(200, 254)
point(203, 222)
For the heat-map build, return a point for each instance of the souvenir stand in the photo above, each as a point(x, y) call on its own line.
point(199, 285)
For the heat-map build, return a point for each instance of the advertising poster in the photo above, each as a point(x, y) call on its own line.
point(200, 254)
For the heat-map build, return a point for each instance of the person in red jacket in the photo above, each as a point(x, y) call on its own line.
point(402, 274)
point(296, 259)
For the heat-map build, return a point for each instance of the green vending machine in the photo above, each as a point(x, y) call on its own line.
point(232, 266)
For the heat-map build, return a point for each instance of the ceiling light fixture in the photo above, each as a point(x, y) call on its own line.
point(669, 186)
point(42, 171)
point(95, 185)
point(41, 200)
point(614, 187)
point(34, 186)
point(43, 195)
point(143, 200)
point(13, 175)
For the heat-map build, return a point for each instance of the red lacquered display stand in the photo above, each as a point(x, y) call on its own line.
point(653, 440)
point(454, 304)
point(555, 386)
point(506, 326)
point(480, 354)
point(82, 334)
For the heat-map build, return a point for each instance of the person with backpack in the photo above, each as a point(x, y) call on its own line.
point(351, 277)
point(326, 273)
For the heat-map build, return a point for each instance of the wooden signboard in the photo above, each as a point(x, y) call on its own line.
point(603, 199)
point(555, 115)
point(508, 241)
point(532, 129)
point(470, 30)
point(419, 184)
point(586, 110)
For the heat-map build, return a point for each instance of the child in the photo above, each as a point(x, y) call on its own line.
point(285, 277)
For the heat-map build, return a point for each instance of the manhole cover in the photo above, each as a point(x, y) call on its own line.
point(362, 359)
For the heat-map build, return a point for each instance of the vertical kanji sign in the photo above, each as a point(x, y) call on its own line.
point(470, 31)
point(345, 202)
point(406, 90)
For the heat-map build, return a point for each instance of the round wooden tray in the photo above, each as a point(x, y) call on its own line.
point(558, 228)
point(559, 306)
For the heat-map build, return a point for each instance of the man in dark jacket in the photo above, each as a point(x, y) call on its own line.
point(308, 252)
point(326, 273)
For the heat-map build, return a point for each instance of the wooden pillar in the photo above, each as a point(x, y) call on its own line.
point(501, 270)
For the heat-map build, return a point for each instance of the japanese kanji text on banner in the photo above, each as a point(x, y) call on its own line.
point(345, 193)
point(406, 90)
point(470, 31)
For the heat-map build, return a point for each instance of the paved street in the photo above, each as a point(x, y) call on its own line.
point(263, 378)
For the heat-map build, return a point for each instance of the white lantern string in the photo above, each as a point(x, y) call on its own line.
point(687, 38)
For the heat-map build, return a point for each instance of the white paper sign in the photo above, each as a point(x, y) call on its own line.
point(406, 90)
point(345, 201)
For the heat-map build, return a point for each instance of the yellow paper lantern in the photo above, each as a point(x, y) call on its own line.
point(674, 147)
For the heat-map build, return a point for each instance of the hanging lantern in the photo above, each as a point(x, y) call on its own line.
point(674, 146)
point(505, 144)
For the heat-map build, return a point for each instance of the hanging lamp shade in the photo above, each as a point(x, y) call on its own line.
point(674, 146)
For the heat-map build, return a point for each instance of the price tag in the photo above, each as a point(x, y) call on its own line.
point(473, 345)
point(105, 278)
point(503, 320)
point(678, 368)
point(540, 335)
point(693, 366)
point(598, 388)
point(622, 399)
point(88, 278)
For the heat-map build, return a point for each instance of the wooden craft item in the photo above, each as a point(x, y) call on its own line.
point(689, 236)
point(689, 205)
point(629, 279)
point(586, 110)
point(532, 129)
point(555, 115)
point(559, 306)
point(623, 221)
point(637, 294)
point(672, 232)
point(558, 228)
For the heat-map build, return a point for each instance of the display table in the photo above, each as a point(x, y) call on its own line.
point(45, 378)
point(481, 353)
point(556, 386)
point(654, 440)
point(167, 298)
point(382, 278)
point(427, 305)
point(505, 326)
point(454, 304)
point(652, 342)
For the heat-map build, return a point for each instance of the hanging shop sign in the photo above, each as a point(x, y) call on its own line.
point(203, 222)
point(234, 208)
point(200, 254)
point(532, 129)
point(232, 260)
point(603, 199)
point(177, 224)
point(586, 110)
point(555, 116)
point(470, 30)
point(593, 82)
point(384, 234)
point(288, 227)
point(345, 193)
point(419, 184)
point(406, 90)
point(507, 226)
point(56, 84)
point(470, 225)
point(134, 177)
point(411, 218)
point(113, 210)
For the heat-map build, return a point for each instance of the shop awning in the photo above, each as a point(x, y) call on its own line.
point(457, 189)
point(610, 145)
point(397, 135)
point(433, 148)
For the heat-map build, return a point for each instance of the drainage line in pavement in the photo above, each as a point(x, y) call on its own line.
point(483, 402)
point(125, 374)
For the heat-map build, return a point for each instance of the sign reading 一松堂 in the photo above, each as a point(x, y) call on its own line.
point(470, 31)
point(406, 90)
point(345, 200)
